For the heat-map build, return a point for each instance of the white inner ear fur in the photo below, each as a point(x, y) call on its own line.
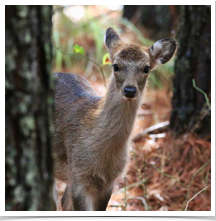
point(159, 61)
point(157, 47)
point(160, 50)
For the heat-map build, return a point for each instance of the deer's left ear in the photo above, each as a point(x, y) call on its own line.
point(112, 41)
point(162, 50)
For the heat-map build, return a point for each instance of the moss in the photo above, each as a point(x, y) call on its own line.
point(27, 124)
point(22, 11)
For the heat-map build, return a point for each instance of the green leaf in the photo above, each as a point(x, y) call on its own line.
point(106, 59)
point(78, 49)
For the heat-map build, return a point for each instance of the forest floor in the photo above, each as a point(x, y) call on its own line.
point(163, 172)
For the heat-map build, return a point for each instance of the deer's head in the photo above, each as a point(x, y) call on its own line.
point(132, 62)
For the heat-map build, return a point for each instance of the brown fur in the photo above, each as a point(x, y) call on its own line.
point(91, 133)
point(131, 52)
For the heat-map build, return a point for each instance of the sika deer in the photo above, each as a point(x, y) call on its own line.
point(91, 133)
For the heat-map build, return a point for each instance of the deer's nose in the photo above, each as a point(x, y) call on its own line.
point(130, 92)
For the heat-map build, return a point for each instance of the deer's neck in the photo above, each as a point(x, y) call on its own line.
point(116, 117)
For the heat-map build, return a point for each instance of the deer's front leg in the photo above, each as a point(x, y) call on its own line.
point(101, 201)
point(85, 201)
point(93, 197)
point(58, 191)
point(76, 199)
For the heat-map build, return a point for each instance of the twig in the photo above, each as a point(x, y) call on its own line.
point(130, 186)
point(196, 195)
point(143, 201)
point(87, 58)
point(204, 112)
point(205, 95)
point(152, 129)
point(116, 206)
point(167, 175)
point(192, 178)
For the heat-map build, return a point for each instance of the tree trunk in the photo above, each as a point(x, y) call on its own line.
point(155, 21)
point(29, 108)
point(190, 112)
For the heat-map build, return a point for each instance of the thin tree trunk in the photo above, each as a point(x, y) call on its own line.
point(29, 108)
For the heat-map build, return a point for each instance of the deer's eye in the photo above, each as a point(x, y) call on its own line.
point(146, 69)
point(115, 67)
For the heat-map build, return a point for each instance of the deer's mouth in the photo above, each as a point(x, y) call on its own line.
point(129, 98)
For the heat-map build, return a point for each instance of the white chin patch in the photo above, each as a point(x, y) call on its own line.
point(129, 99)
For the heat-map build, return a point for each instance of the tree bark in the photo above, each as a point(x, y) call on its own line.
point(29, 108)
point(193, 62)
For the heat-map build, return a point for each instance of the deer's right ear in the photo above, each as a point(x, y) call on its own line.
point(112, 41)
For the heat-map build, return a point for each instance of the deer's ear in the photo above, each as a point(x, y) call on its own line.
point(111, 38)
point(112, 41)
point(162, 50)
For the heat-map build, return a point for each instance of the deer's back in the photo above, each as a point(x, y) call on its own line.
point(75, 99)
